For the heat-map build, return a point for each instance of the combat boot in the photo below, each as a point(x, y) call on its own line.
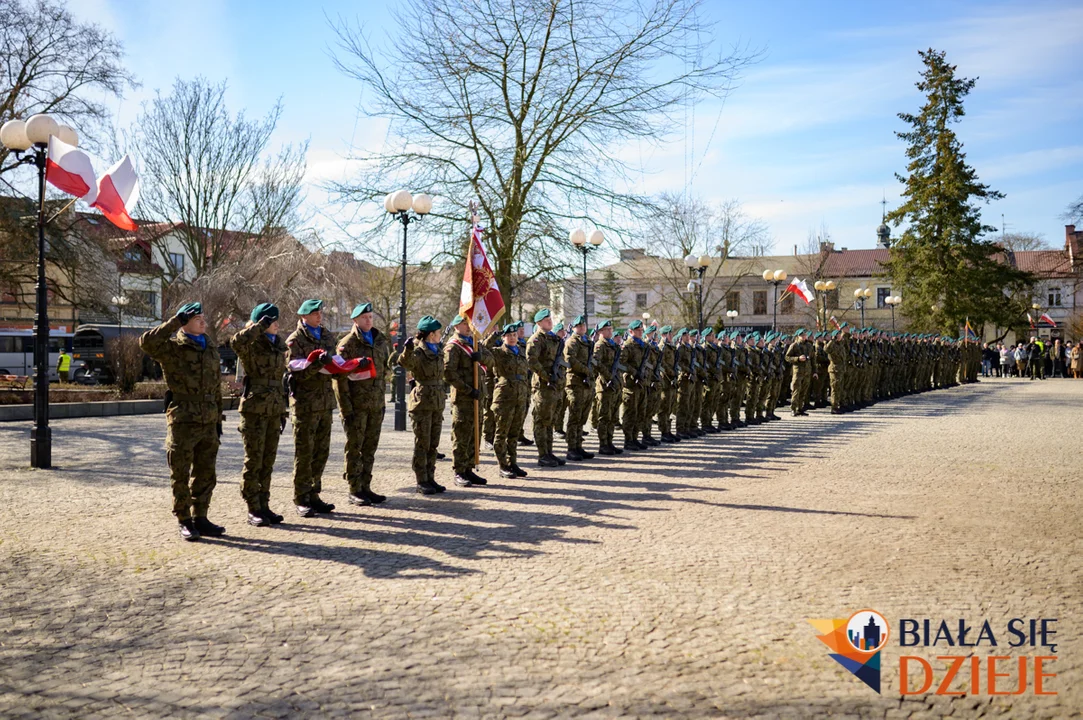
point(358, 499)
point(206, 527)
point(607, 450)
point(631, 444)
point(574, 455)
point(649, 441)
point(320, 506)
point(586, 455)
point(518, 470)
point(560, 461)
point(462, 480)
point(188, 530)
point(304, 508)
point(507, 472)
point(547, 461)
point(265, 509)
point(257, 518)
point(368, 494)
point(432, 481)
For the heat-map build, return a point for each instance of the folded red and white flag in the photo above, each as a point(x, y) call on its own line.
point(69, 169)
point(337, 366)
point(118, 192)
point(800, 288)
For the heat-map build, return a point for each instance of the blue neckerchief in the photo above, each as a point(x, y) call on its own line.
point(553, 334)
point(367, 336)
point(468, 340)
point(200, 340)
point(637, 340)
point(610, 341)
point(314, 330)
point(271, 337)
point(433, 348)
point(515, 349)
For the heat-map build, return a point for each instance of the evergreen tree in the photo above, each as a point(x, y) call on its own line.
point(608, 297)
point(945, 270)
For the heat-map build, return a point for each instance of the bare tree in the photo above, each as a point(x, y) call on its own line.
point(524, 107)
point(213, 173)
point(52, 63)
point(1074, 212)
point(684, 226)
point(1019, 241)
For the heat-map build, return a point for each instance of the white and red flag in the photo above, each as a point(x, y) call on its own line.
point(354, 369)
point(118, 192)
point(800, 288)
point(1047, 320)
point(69, 169)
point(480, 302)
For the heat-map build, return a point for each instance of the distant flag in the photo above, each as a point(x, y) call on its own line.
point(480, 301)
point(1047, 320)
point(69, 169)
point(118, 192)
point(800, 288)
point(969, 331)
point(835, 323)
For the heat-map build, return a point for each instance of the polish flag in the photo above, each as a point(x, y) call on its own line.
point(118, 192)
point(69, 169)
point(800, 288)
point(337, 366)
point(1047, 320)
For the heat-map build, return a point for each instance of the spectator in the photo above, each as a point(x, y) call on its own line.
point(1077, 360)
point(1057, 359)
point(1035, 360)
point(1007, 360)
point(986, 360)
point(1020, 359)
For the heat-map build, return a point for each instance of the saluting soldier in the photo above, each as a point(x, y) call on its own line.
point(191, 366)
point(800, 356)
point(607, 388)
point(422, 356)
point(460, 359)
point(510, 390)
point(361, 402)
point(310, 347)
point(543, 353)
point(264, 410)
point(579, 356)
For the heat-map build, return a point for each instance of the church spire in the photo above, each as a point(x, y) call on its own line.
point(883, 233)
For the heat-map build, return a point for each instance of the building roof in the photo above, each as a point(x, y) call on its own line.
point(1044, 263)
point(854, 263)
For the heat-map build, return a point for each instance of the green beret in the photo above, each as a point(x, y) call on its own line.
point(309, 306)
point(707, 331)
point(604, 324)
point(694, 332)
point(264, 310)
point(635, 324)
point(192, 308)
point(799, 332)
point(559, 326)
point(652, 327)
point(834, 333)
point(428, 324)
point(510, 328)
point(541, 314)
point(681, 333)
point(667, 329)
point(518, 324)
point(579, 320)
point(361, 310)
point(457, 320)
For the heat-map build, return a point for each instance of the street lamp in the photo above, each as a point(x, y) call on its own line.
point(775, 277)
point(120, 301)
point(398, 205)
point(823, 288)
point(1037, 308)
point(697, 266)
point(892, 301)
point(29, 141)
point(861, 295)
point(732, 315)
point(579, 239)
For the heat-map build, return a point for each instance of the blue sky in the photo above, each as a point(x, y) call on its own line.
point(806, 139)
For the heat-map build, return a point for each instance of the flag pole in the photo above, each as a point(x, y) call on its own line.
point(474, 332)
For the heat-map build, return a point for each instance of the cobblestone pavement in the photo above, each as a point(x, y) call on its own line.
point(676, 583)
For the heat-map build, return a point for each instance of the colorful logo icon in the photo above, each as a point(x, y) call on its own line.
point(856, 642)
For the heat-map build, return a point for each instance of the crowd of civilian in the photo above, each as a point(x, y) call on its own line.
point(1036, 359)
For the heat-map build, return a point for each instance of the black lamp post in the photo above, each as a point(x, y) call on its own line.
point(30, 142)
point(697, 267)
point(892, 301)
point(861, 295)
point(775, 277)
point(823, 289)
point(398, 204)
point(579, 239)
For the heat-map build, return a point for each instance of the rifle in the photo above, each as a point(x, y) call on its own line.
point(617, 369)
point(658, 365)
point(639, 372)
point(558, 363)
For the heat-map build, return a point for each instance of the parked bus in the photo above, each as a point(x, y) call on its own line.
point(17, 352)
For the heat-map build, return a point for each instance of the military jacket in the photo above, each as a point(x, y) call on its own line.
point(684, 362)
point(310, 389)
point(669, 364)
point(360, 393)
point(459, 367)
point(264, 365)
point(837, 353)
point(579, 357)
point(427, 368)
point(794, 353)
point(509, 367)
point(633, 357)
point(605, 358)
point(541, 355)
point(192, 374)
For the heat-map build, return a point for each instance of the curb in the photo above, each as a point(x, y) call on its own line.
point(60, 411)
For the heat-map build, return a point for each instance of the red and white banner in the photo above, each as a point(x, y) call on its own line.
point(355, 369)
point(118, 192)
point(480, 302)
point(1047, 320)
point(69, 169)
point(800, 288)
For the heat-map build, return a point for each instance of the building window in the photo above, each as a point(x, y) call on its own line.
point(832, 299)
point(641, 301)
point(590, 305)
point(176, 261)
point(733, 301)
point(134, 255)
point(882, 294)
point(759, 302)
point(1054, 297)
point(786, 306)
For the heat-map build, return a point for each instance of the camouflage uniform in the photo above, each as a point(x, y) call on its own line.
point(607, 390)
point(510, 391)
point(668, 392)
point(740, 383)
point(634, 358)
point(459, 374)
point(579, 357)
point(649, 393)
point(425, 404)
point(542, 354)
point(712, 385)
point(312, 401)
point(686, 386)
point(193, 376)
point(837, 354)
point(361, 403)
point(802, 373)
point(263, 410)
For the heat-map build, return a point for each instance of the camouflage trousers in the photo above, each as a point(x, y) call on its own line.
point(652, 399)
point(711, 392)
point(774, 389)
point(799, 389)
point(509, 409)
point(462, 434)
point(362, 437)
point(260, 435)
point(578, 396)
point(606, 403)
point(191, 449)
point(546, 401)
point(488, 417)
point(427, 424)
point(686, 388)
point(835, 378)
point(666, 405)
point(752, 399)
point(311, 446)
point(722, 408)
point(697, 405)
point(630, 403)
